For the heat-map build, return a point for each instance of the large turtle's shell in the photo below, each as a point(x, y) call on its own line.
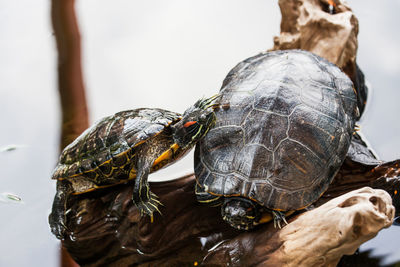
point(113, 138)
point(282, 132)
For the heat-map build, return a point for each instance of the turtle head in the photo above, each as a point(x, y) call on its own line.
point(195, 122)
point(240, 213)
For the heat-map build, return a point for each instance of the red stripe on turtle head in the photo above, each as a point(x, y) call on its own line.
point(187, 124)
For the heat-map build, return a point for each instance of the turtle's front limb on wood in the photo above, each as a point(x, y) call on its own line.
point(57, 218)
point(279, 218)
point(152, 156)
point(146, 201)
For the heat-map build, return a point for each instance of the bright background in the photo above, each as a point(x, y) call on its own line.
point(157, 53)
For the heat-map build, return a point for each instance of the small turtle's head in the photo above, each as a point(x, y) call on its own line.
point(195, 123)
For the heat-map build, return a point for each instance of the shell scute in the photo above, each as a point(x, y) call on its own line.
point(108, 146)
point(256, 123)
point(281, 100)
point(247, 161)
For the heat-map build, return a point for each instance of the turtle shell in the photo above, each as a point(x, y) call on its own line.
point(103, 153)
point(284, 126)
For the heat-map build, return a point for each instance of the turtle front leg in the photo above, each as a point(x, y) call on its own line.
point(146, 201)
point(279, 218)
point(57, 217)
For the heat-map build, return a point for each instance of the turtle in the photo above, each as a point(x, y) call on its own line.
point(284, 123)
point(128, 146)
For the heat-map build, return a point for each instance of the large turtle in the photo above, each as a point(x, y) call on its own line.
point(125, 146)
point(284, 126)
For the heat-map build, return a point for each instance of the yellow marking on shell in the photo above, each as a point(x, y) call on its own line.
point(232, 195)
point(209, 200)
point(253, 199)
point(80, 173)
point(121, 154)
point(238, 195)
point(141, 142)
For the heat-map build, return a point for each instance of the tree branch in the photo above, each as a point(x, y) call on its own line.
point(70, 82)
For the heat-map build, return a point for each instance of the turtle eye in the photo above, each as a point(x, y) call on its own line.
point(189, 123)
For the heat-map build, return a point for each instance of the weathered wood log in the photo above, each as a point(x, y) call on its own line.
point(319, 237)
point(308, 25)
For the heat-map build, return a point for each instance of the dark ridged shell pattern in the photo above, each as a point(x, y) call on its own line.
point(283, 128)
point(112, 138)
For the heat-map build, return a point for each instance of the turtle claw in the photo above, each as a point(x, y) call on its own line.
point(154, 197)
point(58, 225)
point(279, 217)
point(148, 207)
point(58, 229)
point(284, 220)
point(58, 216)
point(277, 222)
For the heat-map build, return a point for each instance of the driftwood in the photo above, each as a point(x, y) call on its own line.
point(105, 228)
point(308, 25)
point(316, 238)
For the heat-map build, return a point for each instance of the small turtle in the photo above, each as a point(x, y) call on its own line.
point(282, 131)
point(125, 146)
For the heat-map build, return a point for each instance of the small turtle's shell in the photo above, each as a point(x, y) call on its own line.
point(282, 132)
point(105, 150)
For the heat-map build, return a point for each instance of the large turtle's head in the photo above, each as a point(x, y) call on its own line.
point(195, 123)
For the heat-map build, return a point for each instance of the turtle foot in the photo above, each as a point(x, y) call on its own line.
point(279, 218)
point(58, 215)
point(58, 224)
point(148, 207)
